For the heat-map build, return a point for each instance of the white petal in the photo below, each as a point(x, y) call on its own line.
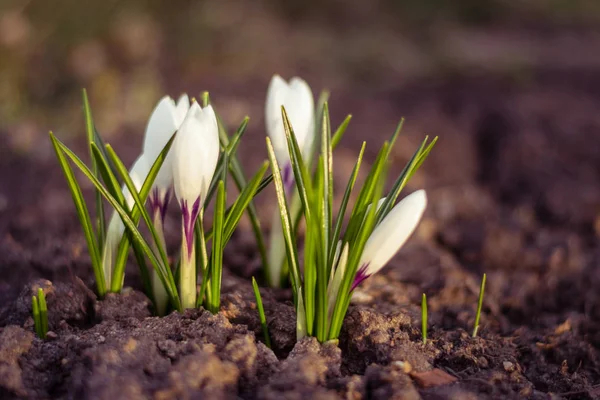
point(395, 229)
point(298, 101)
point(138, 173)
point(183, 105)
point(161, 126)
point(195, 154)
point(301, 114)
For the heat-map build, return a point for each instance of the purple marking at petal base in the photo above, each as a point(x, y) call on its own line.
point(189, 219)
point(158, 203)
point(165, 204)
point(288, 178)
point(361, 275)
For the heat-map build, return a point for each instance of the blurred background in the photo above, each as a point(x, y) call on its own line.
point(511, 87)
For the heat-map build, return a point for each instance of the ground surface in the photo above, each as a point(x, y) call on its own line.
point(513, 190)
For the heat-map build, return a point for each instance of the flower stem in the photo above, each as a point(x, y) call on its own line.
point(187, 272)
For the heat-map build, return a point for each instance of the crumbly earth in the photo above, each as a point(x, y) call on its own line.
point(513, 189)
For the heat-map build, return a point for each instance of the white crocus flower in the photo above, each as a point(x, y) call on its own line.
point(390, 235)
point(195, 155)
point(165, 120)
point(297, 99)
point(116, 228)
point(163, 123)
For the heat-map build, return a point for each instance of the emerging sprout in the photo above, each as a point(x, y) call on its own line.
point(195, 154)
point(424, 318)
point(297, 98)
point(39, 310)
point(479, 305)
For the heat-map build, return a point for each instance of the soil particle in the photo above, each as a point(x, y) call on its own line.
point(389, 382)
point(128, 304)
point(305, 372)
point(369, 337)
point(14, 341)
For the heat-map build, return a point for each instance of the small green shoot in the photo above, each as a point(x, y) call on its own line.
point(479, 305)
point(261, 313)
point(39, 310)
point(424, 318)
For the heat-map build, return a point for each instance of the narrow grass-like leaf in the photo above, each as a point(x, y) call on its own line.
point(91, 139)
point(286, 223)
point(41, 298)
point(241, 203)
point(237, 173)
point(342, 211)
point(165, 276)
point(140, 205)
point(202, 256)
point(358, 244)
point(224, 162)
point(409, 170)
point(301, 175)
point(216, 266)
point(424, 318)
point(121, 259)
point(339, 132)
point(35, 311)
point(261, 313)
point(479, 306)
point(83, 215)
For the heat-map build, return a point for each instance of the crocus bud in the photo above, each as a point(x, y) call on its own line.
point(116, 228)
point(195, 155)
point(296, 96)
point(390, 235)
point(163, 123)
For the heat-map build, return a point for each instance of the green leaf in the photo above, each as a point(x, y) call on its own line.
point(121, 259)
point(35, 311)
point(43, 307)
point(139, 204)
point(217, 249)
point(91, 139)
point(301, 175)
point(424, 318)
point(165, 276)
point(261, 313)
point(339, 132)
point(237, 173)
point(344, 205)
point(479, 305)
point(286, 223)
point(411, 167)
point(242, 202)
point(83, 215)
point(325, 197)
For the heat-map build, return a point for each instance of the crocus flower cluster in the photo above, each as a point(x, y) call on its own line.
point(335, 262)
point(189, 168)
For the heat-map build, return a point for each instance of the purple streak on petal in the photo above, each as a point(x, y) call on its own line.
point(165, 204)
point(361, 275)
point(159, 203)
point(288, 178)
point(189, 219)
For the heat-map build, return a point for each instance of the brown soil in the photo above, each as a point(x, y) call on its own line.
point(514, 190)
